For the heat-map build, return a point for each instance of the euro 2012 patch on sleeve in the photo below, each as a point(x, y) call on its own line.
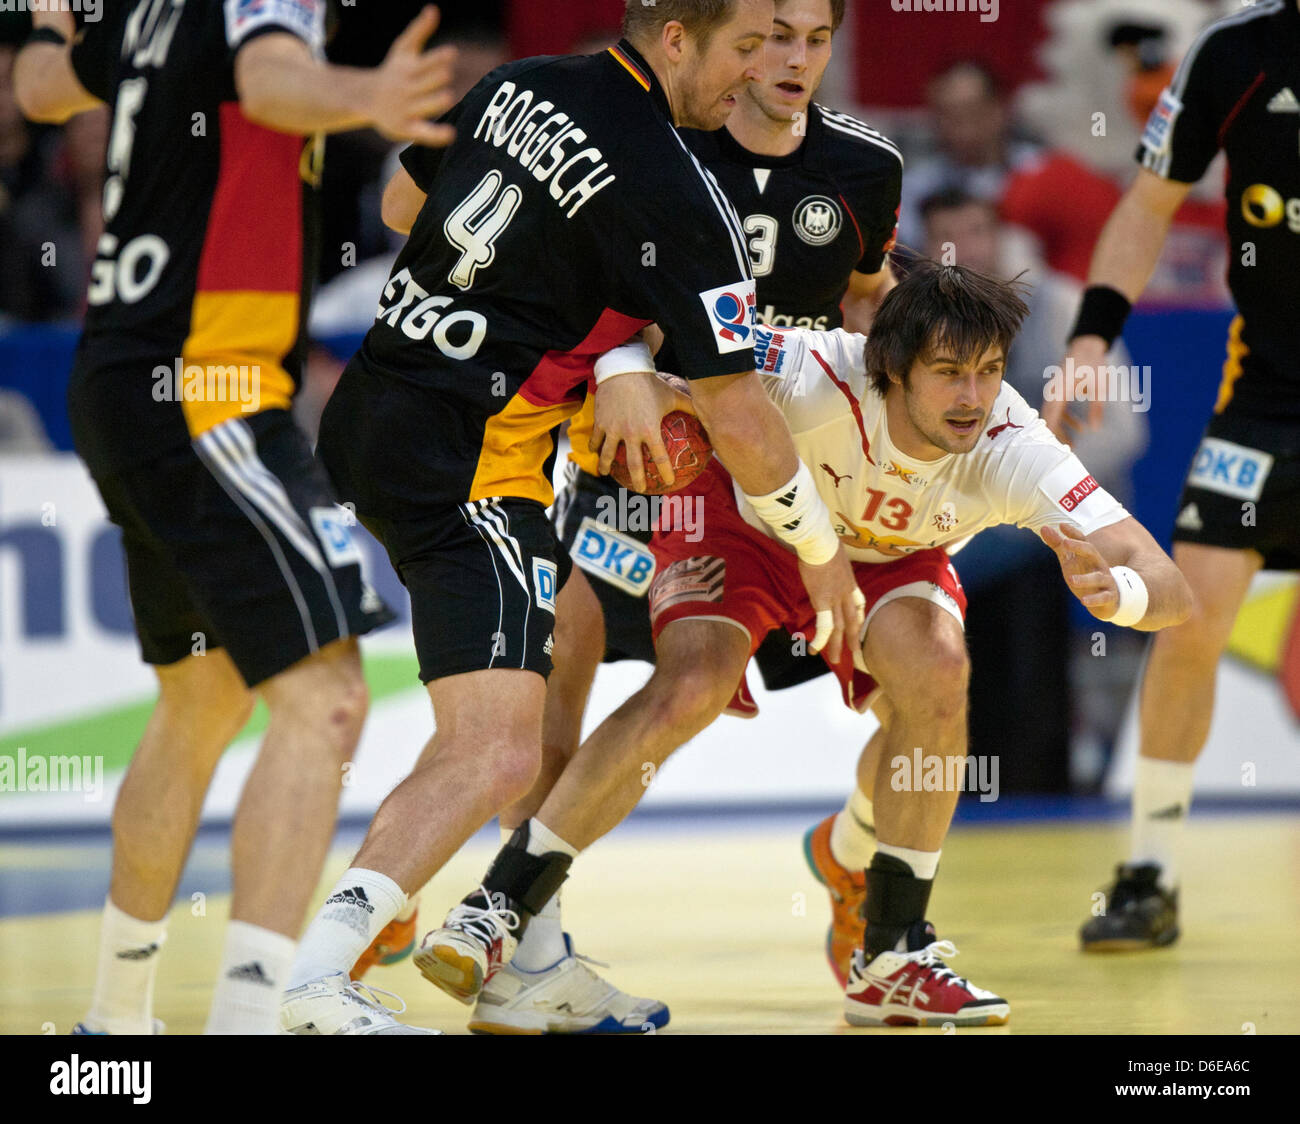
point(732, 311)
point(1160, 125)
point(303, 18)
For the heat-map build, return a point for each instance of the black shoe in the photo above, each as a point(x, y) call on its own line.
point(1139, 913)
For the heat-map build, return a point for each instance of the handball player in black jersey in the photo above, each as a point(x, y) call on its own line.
point(1236, 91)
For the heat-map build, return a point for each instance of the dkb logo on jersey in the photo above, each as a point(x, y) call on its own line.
point(731, 311)
point(817, 220)
point(1230, 469)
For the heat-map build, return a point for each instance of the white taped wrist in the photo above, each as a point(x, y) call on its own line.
point(625, 360)
point(796, 513)
point(1133, 596)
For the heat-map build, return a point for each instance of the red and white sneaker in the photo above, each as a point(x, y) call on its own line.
point(847, 890)
point(918, 989)
point(476, 940)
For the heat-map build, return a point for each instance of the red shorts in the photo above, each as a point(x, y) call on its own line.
point(736, 574)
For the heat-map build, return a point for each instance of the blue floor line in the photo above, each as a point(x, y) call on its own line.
point(28, 891)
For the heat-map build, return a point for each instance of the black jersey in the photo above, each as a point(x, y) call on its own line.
point(197, 294)
point(813, 217)
point(566, 215)
point(1238, 89)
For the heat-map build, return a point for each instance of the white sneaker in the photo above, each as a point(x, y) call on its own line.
point(333, 1004)
point(566, 998)
point(474, 943)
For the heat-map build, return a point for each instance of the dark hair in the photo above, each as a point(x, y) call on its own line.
point(701, 18)
point(951, 199)
point(837, 13)
point(939, 307)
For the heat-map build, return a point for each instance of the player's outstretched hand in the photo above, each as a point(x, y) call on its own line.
point(1084, 570)
point(1074, 384)
point(629, 411)
point(413, 86)
point(840, 606)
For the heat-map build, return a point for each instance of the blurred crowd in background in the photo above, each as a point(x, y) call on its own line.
point(1018, 137)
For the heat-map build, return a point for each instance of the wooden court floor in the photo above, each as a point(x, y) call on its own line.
point(726, 926)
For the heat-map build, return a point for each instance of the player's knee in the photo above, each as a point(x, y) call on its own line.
point(513, 765)
point(688, 703)
point(330, 700)
point(937, 678)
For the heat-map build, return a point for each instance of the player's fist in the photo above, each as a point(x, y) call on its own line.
point(1084, 570)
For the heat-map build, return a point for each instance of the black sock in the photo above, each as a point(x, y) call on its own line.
point(896, 900)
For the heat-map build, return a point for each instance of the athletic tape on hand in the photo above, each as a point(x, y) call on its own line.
point(825, 626)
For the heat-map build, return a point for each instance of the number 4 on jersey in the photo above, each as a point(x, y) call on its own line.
point(477, 223)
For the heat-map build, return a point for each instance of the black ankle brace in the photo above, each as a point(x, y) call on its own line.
point(895, 900)
point(527, 880)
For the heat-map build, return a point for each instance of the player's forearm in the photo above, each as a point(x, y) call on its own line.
point(1129, 247)
point(1169, 597)
point(46, 87)
point(289, 90)
point(747, 431)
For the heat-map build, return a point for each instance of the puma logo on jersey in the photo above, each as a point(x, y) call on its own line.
point(835, 475)
point(1008, 424)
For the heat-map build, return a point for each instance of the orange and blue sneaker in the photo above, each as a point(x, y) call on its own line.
point(395, 941)
point(848, 890)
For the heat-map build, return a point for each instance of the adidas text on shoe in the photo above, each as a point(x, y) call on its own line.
point(475, 941)
point(334, 1004)
point(566, 998)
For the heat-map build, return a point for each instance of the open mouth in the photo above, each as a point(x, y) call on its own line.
point(791, 89)
point(963, 426)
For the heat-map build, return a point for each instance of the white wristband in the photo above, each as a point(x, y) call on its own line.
point(1133, 596)
point(796, 513)
point(625, 360)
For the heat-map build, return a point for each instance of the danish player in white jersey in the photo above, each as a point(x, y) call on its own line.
point(914, 444)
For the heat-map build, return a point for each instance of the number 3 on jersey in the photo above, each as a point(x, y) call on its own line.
point(477, 223)
point(763, 230)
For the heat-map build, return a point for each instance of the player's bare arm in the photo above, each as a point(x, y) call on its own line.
point(1089, 566)
point(45, 85)
point(1124, 260)
point(402, 202)
point(866, 291)
point(283, 86)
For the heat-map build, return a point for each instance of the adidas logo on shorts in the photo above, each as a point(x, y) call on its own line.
point(1189, 519)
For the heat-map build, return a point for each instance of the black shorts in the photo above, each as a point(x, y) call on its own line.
point(1242, 491)
point(483, 579)
point(236, 542)
point(606, 529)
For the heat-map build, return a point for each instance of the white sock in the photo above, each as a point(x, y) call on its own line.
point(853, 834)
point(924, 864)
point(128, 959)
point(543, 943)
point(542, 841)
point(1162, 795)
point(251, 982)
point(361, 903)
